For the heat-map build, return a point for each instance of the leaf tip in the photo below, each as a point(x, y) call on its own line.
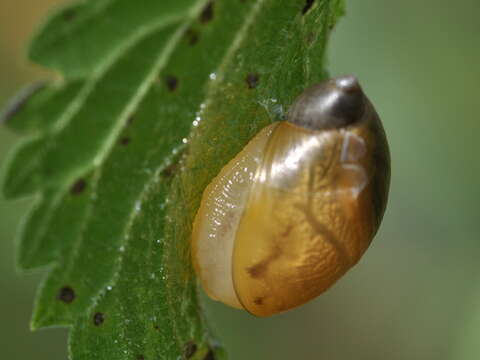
point(18, 102)
point(23, 168)
point(46, 318)
point(42, 44)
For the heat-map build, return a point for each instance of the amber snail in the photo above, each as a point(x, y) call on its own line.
point(298, 206)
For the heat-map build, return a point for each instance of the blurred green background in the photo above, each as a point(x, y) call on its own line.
point(416, 292)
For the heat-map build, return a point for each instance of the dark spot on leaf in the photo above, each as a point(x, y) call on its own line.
point(171, 82)
point(207, 13)
point(140, 357)
point(78, 187)
point(192, 36)
point(252, 80)
point(69, 14)
point(130, 119)
point(308, 5)
point(124, 141)
point(66, 294)
point(189, 349)
point(258, 301)
point(210, 355)
point(98, 318)
point(21, 99)
point(170, 170)
point(156, 327)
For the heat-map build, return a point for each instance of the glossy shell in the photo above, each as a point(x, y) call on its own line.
point(298, 206)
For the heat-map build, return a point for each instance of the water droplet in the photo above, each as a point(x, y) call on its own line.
point(109, 288)
point(121, 248)
point(213, 76)
point(138, 206)
point(195, 123)
point(184, 140)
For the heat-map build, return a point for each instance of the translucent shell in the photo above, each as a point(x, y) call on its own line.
point(217, 219)
point(291, 213)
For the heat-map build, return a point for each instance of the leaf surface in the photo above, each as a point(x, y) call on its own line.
point(157, 97)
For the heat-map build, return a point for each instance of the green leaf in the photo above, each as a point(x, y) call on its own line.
point(88, 35)
point(157, 97)
point(39, 105)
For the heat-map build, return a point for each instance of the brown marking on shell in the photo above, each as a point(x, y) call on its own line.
point(287, 231)
point(258, 300)
point(259, 269)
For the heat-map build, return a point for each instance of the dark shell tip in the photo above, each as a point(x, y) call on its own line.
point(331, 104)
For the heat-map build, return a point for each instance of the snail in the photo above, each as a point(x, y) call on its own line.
point(298, 206)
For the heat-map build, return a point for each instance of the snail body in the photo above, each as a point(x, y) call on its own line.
point(298, 206)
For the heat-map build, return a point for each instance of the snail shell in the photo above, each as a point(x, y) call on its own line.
point(298, 206)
